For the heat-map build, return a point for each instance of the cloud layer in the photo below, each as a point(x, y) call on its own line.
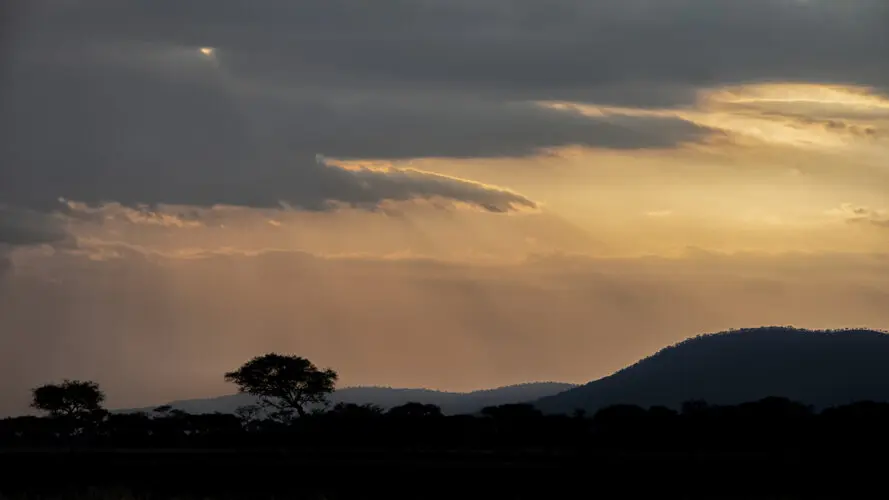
point(122, 134)
point(23, 228)
point(524, 47)
point(115, 100)
point(863, 215)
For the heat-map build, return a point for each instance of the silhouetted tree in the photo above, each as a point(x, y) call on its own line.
point(352, 410)
point(284, 383)
point(248, 413)
point(163, 409)
point(514, 411)
point(415, 410)
point(128, 429)
point(71, 398)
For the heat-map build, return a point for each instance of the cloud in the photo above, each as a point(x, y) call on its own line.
point(372, 186)
point(323, 186)
point(22, 228)
point(392, 125)
point(567, 49)
point(418, 227)
point(140, 215)
point(117, 101)
point(862, 215)
point(114, 134)
point(120, 136)
point(26, 227)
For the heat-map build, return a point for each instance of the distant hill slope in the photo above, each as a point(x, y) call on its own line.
point(451, 403)
point(821, 368)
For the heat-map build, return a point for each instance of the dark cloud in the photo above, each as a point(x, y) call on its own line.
point(388, 125)
point(145, 137)
point(169, 127)
point(26, 227)
point(526, 47)
point(112, 100)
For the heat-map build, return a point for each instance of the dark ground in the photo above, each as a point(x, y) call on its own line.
point(160, 474)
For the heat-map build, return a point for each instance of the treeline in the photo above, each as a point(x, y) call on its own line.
point(769, 424)
point(286, 386)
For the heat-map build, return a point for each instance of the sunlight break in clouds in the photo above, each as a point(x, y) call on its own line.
point(739, 190)
point(774, 113)
point(860, 99)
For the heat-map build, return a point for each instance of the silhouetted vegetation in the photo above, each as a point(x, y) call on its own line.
point(172, 451)
point(769, 424)
point(71, 398)
point(285, 384)
point(283, 433)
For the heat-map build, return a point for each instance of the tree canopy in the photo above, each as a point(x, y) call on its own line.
point(71, 398)
point(415, 410)
point(284, 383)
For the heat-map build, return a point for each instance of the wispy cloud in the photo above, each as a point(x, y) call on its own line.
point(862, 215)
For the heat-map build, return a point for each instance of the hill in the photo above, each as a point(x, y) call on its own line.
point(821, 368)
point(451, 403)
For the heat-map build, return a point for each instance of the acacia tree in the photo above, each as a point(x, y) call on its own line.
point(71, 398)
point(284, 383)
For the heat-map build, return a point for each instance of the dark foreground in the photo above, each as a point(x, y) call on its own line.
point(355, 474)
point(772, 448)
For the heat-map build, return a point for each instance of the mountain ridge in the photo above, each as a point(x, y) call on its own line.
point(451, 402)
point(818, 367)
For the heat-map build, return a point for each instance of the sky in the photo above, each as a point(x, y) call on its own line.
point(453, 194)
